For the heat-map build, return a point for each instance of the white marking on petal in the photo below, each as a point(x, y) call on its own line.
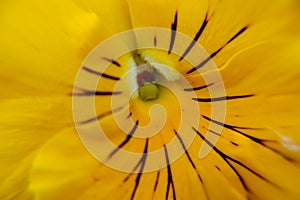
point(287, 142)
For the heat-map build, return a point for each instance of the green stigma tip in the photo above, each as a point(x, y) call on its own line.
point(148, 91)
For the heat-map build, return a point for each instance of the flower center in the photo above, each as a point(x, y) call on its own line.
point(148, 89)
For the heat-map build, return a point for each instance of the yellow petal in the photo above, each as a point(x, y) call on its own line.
point(43, 44)
point(44, 50)
point(25, 126)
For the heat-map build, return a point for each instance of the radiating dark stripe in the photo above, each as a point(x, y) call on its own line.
point(155, 41)
point(222, 98)
point(100, 74)
point(287, 157)
point(101, 116)
point(214, 132)
point(204, 23)
point(188, 155)
point(238, 33)
point(173, 33)
point(226, 158)
point(216, 52)
point(235, 171)
point(142, 161)
point(229, 126)
point(233, 128)
point(129, 115)
point(112, 61)
point(235, 144)
point(219, 134)
point(105, 93)
point(254, 139)
point(200, 65)
point(197, 88)
point(170, 178)
point(98, 93)
point(128, 137)
point(134, 169)
point(156, 181)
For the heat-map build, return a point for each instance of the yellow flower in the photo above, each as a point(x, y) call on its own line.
point(255, 45)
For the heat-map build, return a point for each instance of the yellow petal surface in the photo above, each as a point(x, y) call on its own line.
point(44, 44)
